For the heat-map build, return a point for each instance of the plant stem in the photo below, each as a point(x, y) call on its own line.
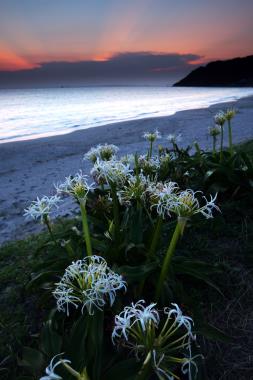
point(136, 165)
point(230, 137)
point(214, 146)
point(167, 260)
point(71, 370)
point(77, 375)
point(151, 149)
point(152, 249)
point(197, 148)
point(86, 232)
point(155, 238)
point(115, 212)
point(146, 368)
point(47, 223)
point(221, 142)
point(84, 375)
point(153, 246)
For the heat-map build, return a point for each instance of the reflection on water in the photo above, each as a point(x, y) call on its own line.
point(32, 113)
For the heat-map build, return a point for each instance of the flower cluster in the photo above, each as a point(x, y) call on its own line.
point(133, 316)
point(41, 208)
point(214, 131)
point(188, 205)
point(148, 166)
point(135, 189)
point(166, 158)
point(127, 159)
point(76, 186)
point(104, 152)
point(167, 199)
point(220, 118)
point(174, 139)
point(152, 136)
point(165, 336)
point(230, 113)
point(107, 172)
point(163, 196)
point(88, 283)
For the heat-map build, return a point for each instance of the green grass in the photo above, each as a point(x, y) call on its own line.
point(226, 240)
point(246, 147)
point(21, 314)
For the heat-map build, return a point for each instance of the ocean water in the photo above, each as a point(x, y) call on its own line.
point(34, 113)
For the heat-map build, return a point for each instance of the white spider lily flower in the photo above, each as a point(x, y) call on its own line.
point(42, 207)
point(189, 363)
point(163, 197)
point(188, 205)
point(50, 370)
point(174, 139)
point(152, 136)
point(220, 118)
point(145, 314)
point(122, 326)
point(88, 283)
point(137, 313)
point(76, 186)
point(166, 158)
point(148, 165)
point(161, 373)
point(128, 159)
point(135, 189)
point(103, 152)
point(92, 155)
point(110, 172)
point(180, 319)
point(230, 113)
point(214, 131)
point(162, 338)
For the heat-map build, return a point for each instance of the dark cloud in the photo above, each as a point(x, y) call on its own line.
point(140, 67)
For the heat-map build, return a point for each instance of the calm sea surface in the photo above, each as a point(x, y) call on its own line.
point(33, 113)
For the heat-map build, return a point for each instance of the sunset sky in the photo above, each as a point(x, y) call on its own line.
point(114, 41)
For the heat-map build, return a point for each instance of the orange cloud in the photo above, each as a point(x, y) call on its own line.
point(11, 61)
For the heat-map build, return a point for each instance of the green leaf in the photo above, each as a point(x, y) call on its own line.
point(41, 278)
point(99, 245)
point(51, 341)
point(32, 358)
point(213, 333)
point(95, 338)
point(197, 269)
point(123, 370)
point(75, 343)
point(135, 273)
point(247, 161)
point(135, 224)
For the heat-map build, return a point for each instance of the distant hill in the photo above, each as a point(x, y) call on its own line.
point(237, 72)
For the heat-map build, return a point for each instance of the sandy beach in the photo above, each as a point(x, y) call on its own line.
point(30, 168)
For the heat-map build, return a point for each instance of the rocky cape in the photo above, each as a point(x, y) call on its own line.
point(237, 72)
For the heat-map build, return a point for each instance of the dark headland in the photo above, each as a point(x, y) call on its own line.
point(237, 72)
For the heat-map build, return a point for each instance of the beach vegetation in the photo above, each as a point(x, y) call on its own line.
point(131, 286)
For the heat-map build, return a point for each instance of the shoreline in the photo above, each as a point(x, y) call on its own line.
point(41, 138)
point(29, 168)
